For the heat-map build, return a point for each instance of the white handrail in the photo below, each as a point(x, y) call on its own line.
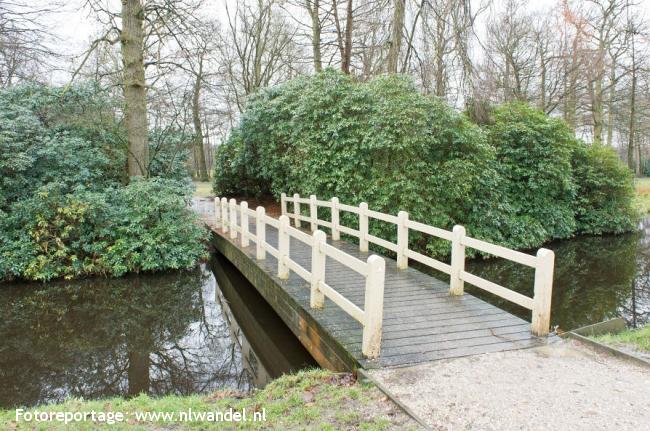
point(371, 316)
point(542, 262)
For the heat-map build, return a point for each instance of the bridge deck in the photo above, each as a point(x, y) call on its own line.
point(421, 323)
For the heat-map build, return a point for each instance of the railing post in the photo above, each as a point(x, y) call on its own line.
point(541, 319)
point(224, 213)
point(402, 240)
point(313, 212)
point(283, 247)
point(233, 219)
point(363, 226)
point(318, 257)
point(336, 235)
point(260, 232)
point(296, 209)
point(373, 309)
point(283, 203)
point(217, 212)
point(457, 261)
point(243, 217)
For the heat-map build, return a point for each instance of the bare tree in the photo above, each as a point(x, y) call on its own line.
point(23, 51)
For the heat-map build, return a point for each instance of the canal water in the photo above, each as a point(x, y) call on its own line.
point(201, 330)
point(169, 333)
point(596, 278)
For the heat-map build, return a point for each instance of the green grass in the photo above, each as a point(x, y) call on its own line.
point(203, 189)
point(638, 339)
point(314, 399)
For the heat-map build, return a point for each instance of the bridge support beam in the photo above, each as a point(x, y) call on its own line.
point(373, 307)
point(543, 292)
point(402, 239)
point(456, 285)
point(317, 299)
point(336, 234)
point(260, 233)
point(363, 226)
point(283, 248)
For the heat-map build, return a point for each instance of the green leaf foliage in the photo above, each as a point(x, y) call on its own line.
point(515, 181)
point(66, 209)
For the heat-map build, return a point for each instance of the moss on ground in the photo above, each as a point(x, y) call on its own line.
point(314, 399)
point(637, 339)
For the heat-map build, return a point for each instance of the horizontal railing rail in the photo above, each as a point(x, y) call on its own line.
point(234, 219)
point(542, 262)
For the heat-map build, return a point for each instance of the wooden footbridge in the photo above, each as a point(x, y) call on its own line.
point(353, 309)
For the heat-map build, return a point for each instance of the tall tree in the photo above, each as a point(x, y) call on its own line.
point(396, 35)
point(135, 97)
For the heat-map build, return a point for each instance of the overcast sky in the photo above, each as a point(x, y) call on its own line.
point(75, 26)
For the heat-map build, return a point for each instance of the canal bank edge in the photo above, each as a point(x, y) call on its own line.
point(612, 326)
point(325, 349)
point(366, 377)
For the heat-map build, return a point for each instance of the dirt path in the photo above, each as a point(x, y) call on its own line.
point(563, 386)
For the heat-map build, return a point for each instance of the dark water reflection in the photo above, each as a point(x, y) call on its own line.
point(171, 333)
point(596, 278)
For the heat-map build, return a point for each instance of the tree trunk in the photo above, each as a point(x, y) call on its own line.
point(315, 33)
point(347, 52)
point(571, 93)
point(396, 36)
point(632, 124)
point(135, 97)
point(198, 127)
point(610, 104)
point(597, 110)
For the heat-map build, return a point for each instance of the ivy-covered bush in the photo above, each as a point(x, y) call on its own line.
point(67, 208)
point(511, 181)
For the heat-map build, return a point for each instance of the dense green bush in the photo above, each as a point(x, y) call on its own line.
point(511, 181)
point(144, 226)
point(66, 209)
point(533, 159)
point(604, 193)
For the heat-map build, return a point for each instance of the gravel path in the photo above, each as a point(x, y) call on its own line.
point(562, 386)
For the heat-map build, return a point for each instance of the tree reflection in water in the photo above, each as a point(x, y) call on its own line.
point(161, 333)
point(596, 278)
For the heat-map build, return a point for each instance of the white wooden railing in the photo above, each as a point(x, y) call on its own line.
point(233, 218)
point(542, 262)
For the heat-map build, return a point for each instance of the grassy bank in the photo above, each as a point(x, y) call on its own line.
point(642, 187)
point(636, 339)
point(307, 400)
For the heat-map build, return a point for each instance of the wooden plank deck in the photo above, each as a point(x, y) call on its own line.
point(421, 323)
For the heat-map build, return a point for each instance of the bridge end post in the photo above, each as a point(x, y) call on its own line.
point(224, 215)
point(313, 213)
point(243, 217)
point(318, 258)
point(260, 233)
point(363, 226)
point(373, 314)
point(457, 261)
point(336, 234)
point(541, 318)
point(296, 210)
point(283, 204)
point(233, 219)
point(402, 240)
point(283, 248)
point(217, 211)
